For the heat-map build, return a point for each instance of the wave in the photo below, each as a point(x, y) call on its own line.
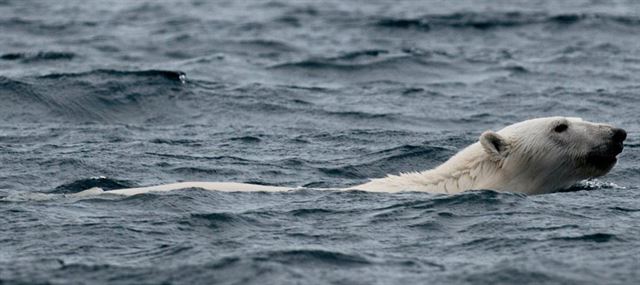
point(38, 56)
point(432, 211)
point(493, 20)
point(174, 76)
point(265, 45)
point(48, 27)
point(246, 139)
point(223, 220)
point(313, 257)
point(313, 212)
point(597, 237)
point(478, 198)
point(592, 184)
point(360, 61)
point(184, 142)
point(406, 158)
point(105, 95)
point(188, 172)
point(403, 66)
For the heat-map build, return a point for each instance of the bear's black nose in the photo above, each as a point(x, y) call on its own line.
point(619, 135)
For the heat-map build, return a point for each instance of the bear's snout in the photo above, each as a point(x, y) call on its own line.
point(619, 135)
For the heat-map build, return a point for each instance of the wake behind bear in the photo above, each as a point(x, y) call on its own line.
point(536, 156)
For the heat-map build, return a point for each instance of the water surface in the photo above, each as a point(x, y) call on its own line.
point(305, 93)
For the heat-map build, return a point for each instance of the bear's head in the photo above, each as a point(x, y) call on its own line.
point(552, 153)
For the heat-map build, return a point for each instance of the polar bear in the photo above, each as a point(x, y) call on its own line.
point(532, 157)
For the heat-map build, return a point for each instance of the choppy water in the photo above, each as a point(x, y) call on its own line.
point(305, 93)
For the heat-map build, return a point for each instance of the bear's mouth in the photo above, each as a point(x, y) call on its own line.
point(605, 159)
point(602, 161)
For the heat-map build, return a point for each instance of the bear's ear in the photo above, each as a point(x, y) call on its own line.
point(494, 145)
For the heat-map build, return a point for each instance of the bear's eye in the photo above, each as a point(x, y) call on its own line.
point(561, 128)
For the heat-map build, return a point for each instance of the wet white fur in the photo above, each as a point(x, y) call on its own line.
point(535, 160)
point(526, 157)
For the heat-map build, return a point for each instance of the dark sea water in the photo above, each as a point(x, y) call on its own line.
point(305, 93)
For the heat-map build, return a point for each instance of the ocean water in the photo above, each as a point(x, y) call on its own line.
point(305, 93)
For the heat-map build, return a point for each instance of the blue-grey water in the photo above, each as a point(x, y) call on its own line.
point(305, 93)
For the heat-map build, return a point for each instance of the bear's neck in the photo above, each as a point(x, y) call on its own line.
point(469, 169)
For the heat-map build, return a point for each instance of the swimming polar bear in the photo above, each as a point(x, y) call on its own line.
point(532, 157)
